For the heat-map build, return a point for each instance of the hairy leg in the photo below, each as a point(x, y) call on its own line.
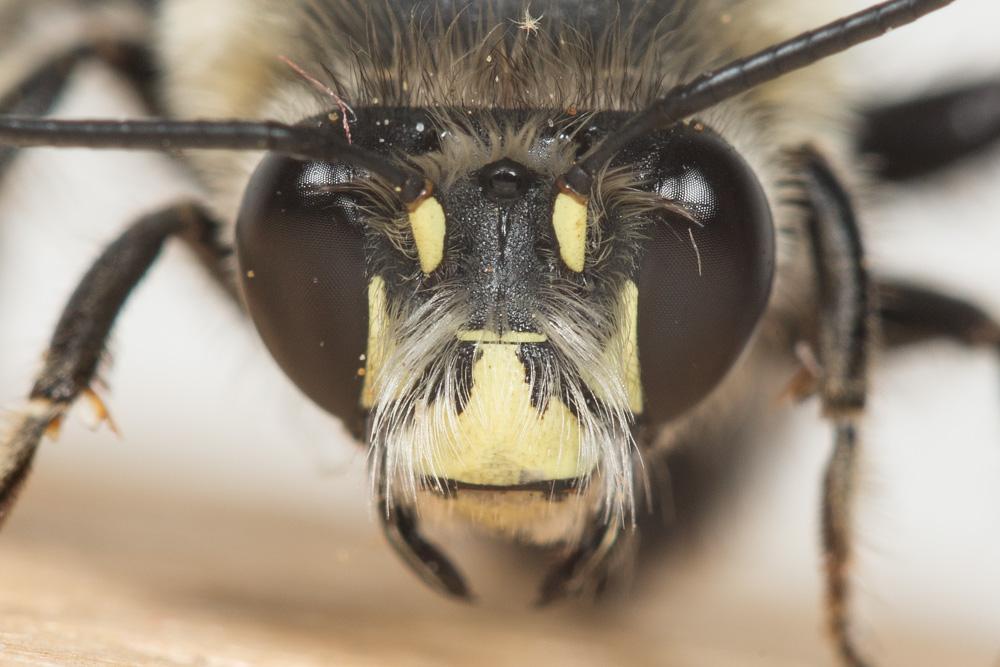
point(76, 348)
point(843, 340)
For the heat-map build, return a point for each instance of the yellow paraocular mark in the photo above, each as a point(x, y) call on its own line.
point(569, 219)
point(630, 346)
point(622, 353)
point(428, 223)
point(377, 306)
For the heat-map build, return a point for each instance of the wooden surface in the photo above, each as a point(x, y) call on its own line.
point(122, 579)
point(107, 575)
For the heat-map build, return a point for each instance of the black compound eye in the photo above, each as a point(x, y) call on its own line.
point(504, 180)
point(705, 278)
point(301, 251)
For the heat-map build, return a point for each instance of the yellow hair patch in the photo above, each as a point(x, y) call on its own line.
point(428, 223)
point(569, 219)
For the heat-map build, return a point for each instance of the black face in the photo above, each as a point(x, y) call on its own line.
point(703, 265)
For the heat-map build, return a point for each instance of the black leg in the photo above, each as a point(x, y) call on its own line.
point(843, 340)
point(919, 136)
point(39, 92)
point(911, 314)
point(78, 343)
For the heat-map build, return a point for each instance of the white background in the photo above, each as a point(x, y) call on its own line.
point(206, 417)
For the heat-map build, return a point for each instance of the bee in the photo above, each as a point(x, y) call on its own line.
point(518, 249)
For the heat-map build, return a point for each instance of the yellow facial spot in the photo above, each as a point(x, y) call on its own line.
point(510, 337)
point(428, 224)
point(375, 354)
point(500, 438)
point(569, 219)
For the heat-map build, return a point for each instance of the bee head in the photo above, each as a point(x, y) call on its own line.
point(500, 343)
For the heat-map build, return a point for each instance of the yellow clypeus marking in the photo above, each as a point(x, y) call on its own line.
point(483, 336)
point(375, 354)
point(501, 438)
point(428, 223)
point(569, 219)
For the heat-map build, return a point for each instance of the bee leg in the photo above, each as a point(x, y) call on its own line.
point(843, 340)
point(911, 314)
point(583, 567)
point(76, 348)
point(919, 136)
point(39, 91)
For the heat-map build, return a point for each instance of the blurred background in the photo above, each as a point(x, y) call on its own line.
point(230, 524)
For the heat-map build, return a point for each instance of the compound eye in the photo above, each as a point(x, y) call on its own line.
point(301, 251)
point(706, 275)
